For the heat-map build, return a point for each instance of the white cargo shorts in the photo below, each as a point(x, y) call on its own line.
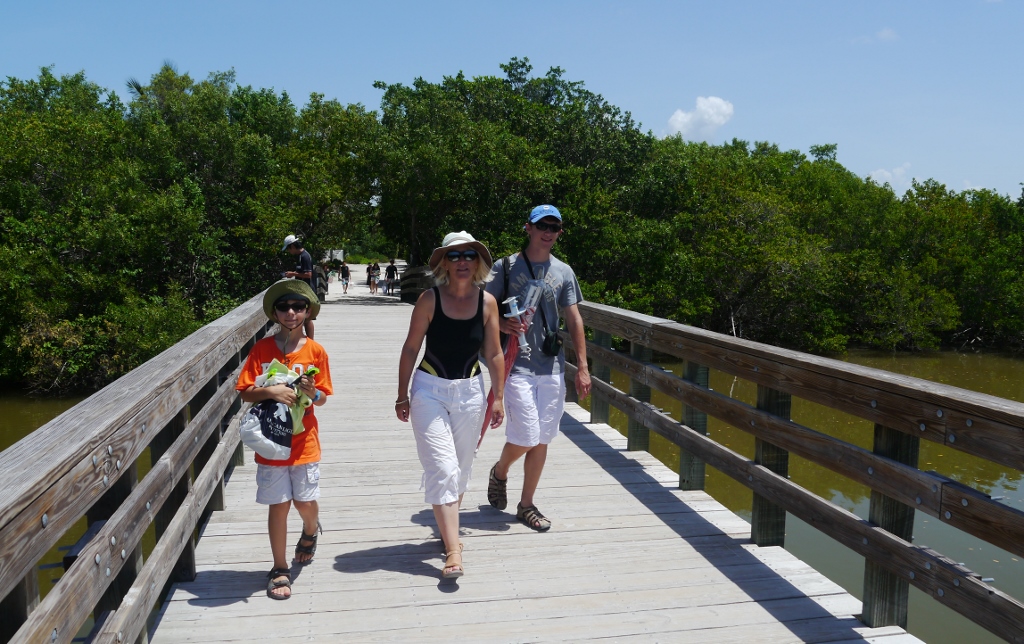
point(279, 483)
point(533, 408)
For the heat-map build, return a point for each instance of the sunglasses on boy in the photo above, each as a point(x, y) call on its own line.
point(298, 307)
point(544, 227)
point(455, 255)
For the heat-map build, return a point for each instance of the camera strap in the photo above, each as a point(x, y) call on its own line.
point(540, 305)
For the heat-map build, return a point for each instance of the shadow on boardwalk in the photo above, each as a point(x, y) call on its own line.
point(660, 501)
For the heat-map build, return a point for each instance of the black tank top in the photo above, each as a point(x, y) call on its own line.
point(453, 346)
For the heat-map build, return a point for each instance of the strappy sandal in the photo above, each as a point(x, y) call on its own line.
point(532, 517)
point(496, 490)
point(274, 582)
point(311, 548)
point(462, 547)
point(453, 570)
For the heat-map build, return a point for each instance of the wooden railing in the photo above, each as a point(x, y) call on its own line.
point(180, 405)
point(904, 411)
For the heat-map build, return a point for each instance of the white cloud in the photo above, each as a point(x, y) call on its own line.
point(710, 113)
point(899, 178)
point(887, 35)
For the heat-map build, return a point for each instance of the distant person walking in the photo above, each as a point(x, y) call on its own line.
point(346, 275)
point(447, 402)
point(535, 392)
point(390, 277)
point(374, 277)
point(303, 271)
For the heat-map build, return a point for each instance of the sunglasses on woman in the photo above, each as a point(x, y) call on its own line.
point(284, 307)
point(544, 227)
point(455, 255)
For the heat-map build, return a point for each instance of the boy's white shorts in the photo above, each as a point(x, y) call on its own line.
point(279, 483)
point(533, 408)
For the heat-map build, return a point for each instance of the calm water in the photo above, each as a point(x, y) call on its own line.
point(992, 374)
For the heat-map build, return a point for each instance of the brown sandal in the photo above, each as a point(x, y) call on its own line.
point(311, 548)
point(497, 495)
point(451, 569)
point(532, 517)
point(275, 581)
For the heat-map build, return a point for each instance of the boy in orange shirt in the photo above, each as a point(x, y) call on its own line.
point(295, 481)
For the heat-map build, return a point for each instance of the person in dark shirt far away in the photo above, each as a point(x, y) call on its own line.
point(303, 271)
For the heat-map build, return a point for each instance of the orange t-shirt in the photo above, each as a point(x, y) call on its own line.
point(305, 446)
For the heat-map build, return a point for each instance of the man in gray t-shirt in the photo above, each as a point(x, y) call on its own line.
point(535, 391)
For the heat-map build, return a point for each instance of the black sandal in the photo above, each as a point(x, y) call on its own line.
point(496, 490)
point(532, 517)
point(311, 548)
point(274, 582)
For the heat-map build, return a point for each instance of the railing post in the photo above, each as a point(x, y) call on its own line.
point(102, 510)
point(638, 437)
point(185, 568)
point(768, 521)
point(598, 403)
point(15, 608)
point(571, 395)
point(885, 594)
point(692, 471)
point(216, 502)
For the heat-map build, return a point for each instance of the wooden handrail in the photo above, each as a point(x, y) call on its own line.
point(50, 479)
point(986, 426)
point(971, 422)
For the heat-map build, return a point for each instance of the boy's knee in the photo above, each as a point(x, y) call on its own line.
point(279, 508)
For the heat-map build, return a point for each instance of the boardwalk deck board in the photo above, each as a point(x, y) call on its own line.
point(629, 556)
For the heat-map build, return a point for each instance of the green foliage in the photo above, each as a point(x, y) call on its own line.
point(124, 226)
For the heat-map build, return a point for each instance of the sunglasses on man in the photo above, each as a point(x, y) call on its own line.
point(284, 307)
point(455, 255)
point(544, 227)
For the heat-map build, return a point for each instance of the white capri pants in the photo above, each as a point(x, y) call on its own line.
point(446, 416)
point(533, 408)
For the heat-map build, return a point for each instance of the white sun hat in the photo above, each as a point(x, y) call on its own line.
point(454, 241)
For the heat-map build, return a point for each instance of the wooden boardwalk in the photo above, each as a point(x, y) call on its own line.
point(629, 557)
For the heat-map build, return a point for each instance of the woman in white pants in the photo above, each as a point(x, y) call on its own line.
point(447, 401)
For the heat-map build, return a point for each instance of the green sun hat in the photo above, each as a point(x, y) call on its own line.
point(297, 289)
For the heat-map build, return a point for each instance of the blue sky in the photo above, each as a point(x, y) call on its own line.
point(906, 88)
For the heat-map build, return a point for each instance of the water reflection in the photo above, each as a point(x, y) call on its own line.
point(991, 374)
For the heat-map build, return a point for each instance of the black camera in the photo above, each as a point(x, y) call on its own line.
point(552, 345)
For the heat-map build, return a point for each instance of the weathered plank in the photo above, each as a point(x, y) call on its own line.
point(943, 579)
point(980, 424)
point(130, 618)
point(629, 555)
point(48, 481)
point(71, 600)
point(984, 518)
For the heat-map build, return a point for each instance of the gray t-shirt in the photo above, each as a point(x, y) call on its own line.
point(560, 290)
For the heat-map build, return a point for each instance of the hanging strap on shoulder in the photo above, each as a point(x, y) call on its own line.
point(540, 305)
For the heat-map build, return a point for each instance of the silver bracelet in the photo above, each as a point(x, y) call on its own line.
point(401, 402)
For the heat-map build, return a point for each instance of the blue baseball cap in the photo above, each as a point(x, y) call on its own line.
point(540, 212)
